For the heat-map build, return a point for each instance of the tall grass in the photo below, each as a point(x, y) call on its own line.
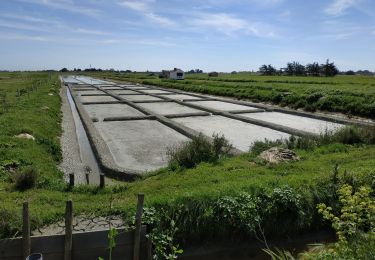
point(350, 135)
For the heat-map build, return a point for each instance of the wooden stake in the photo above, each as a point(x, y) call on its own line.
point(68, 230)
point(102, 181)
point(26, 242)
point(71, 180)
point(87, 178)
point(138, 225)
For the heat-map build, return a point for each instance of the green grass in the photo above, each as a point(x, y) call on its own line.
point(352, 95)
point(191, 196)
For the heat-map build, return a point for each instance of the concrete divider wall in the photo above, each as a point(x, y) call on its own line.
point(87, 246)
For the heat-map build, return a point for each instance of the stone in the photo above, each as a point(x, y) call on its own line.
point(277, 155)
point(25, 136)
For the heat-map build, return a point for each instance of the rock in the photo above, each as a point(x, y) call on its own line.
point(25, 136)
point(278, 155)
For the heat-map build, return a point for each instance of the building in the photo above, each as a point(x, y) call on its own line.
point(173, 74)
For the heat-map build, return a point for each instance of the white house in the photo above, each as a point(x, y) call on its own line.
point(174, 74)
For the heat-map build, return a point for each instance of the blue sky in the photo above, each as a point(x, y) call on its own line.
point(221, 35)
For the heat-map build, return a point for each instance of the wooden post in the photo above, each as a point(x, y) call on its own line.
point(68, 230)
point(87, 178)
point(71, 180)
point(26, 242)
point(102, 181)
point(138, 225)
point(149, 249)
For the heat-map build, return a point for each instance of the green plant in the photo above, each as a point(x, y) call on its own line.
point(112, 234)
point(279, 254)
point(162, 234)
point(199, 149)
point(25, 178)
point(357, 214)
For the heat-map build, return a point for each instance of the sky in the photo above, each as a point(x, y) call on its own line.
point(212, 35)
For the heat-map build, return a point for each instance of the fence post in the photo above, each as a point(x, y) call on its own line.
point(68, 230)
point(71, 180)
point(138, 225)
point(26, 243)
point(87, 178)
point(149, 249)
point(102, 181)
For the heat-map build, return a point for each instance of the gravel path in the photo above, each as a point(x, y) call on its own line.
point(72, 162)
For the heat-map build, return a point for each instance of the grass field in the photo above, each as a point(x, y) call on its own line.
point(203, 201)
point(351, 95)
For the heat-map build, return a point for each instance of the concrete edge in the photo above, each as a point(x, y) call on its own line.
point(100, 148)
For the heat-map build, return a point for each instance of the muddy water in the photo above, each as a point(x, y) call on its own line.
point(85, 150)
point(254, 249)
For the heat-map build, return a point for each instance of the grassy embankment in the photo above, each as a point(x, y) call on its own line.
point(193, 197)
point(352, 95)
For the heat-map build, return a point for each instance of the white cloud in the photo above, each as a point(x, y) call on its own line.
point(144, 7)
point(65, 5)
point(140, 6)
point(228, 24)
point(23, 26)
point(220, 22)
point(338, 7)
point(92, 32)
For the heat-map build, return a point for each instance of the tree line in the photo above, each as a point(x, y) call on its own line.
point(294, 68)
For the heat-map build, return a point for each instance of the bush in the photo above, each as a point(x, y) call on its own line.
point(199, 149)
point(26, 178)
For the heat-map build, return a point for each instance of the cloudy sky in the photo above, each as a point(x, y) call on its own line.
point(222, 35)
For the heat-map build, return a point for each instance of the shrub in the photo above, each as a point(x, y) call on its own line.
point(357, 212)
point(259, 146)
point(26, 178)
point(199, 149)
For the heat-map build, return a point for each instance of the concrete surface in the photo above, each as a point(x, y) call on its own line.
point(155, 91)
point(311, 125)
point(111, 87)
point(180, 96)
point(96, 98)
point(140, 144)
point(240, 134)
point(165, 108)
point(124, 92)
point(219, 105)
point(101, 111)
point(139, 97)
point(89, 92)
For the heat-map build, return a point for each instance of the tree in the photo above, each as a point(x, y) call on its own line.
point(267, 70)
point(329, 69)
point(313, 69)
point(349, 72)
point(295, 69)
point(64, 70)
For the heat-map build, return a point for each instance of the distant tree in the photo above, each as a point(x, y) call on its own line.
point(349, 72)
point(364, 72)
point(267, 70)
point(329, 69)
point(64, 70)
point(313, 69)
point(295, 69)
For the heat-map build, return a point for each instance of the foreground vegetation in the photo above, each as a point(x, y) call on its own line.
point(351, 95)
point(226, 198)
